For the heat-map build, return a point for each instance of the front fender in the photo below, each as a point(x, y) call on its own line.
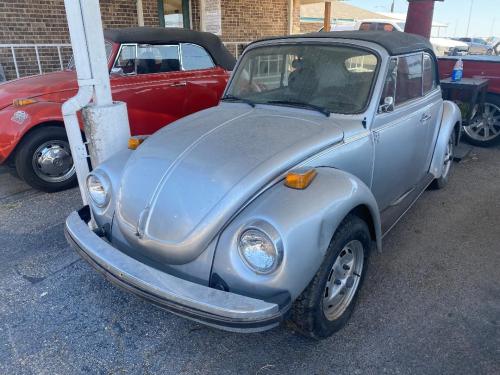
point(451, 117)
point(305, 220)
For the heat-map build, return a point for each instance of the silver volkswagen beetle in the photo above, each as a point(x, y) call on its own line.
point(266, 207)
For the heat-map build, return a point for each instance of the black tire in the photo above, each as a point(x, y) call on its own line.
point(24, 159)
point(441, 182)
point(307, 315)
point(494, 100)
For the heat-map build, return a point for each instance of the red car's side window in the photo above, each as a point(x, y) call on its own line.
point(194, 57)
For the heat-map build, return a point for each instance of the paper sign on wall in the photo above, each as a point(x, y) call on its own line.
point(211, 14)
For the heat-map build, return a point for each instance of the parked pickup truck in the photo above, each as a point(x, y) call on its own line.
point(162, 75)
point(485, 130)
point(266, 207)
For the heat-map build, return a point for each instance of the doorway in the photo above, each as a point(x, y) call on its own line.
point(174, 13)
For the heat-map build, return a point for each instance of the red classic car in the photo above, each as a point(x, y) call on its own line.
point(485, 130)
point(162, 75)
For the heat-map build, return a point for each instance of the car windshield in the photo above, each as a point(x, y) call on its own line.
point(109, 48)
point(328, 78)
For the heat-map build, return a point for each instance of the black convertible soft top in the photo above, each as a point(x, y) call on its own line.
point(396, 42)
point(156, 35)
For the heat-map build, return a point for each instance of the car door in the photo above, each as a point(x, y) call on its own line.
point(399, 132)
point(205, 82)
point(433, 106)
point(150, 80)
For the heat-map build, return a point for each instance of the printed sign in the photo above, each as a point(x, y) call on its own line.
point(212, 20)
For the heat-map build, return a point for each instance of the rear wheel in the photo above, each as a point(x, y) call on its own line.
point(441, 182)
point(327, 303)
point(44, 161)
point(484, 130)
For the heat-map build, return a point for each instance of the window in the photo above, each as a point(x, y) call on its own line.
point(409, 78)
point(157, 59)
point(365, 26)
point(174, 13)
point(389, 90)
point(386, 27)
point(148, 59)
point(108, 47)
point(361, 64)
point(429, 74)
point(373, 26)
point(333, 77)
point(195, 57)
point(126, 59)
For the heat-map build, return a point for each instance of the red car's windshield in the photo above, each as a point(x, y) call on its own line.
point(109, 49)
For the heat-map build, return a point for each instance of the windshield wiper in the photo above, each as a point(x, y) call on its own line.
point(235, 98)
point(292, 103)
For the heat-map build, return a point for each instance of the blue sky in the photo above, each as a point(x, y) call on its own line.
point(485, 16)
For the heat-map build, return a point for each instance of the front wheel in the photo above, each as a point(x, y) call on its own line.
point(327, 303)
point(44, 161)
point(484, 130)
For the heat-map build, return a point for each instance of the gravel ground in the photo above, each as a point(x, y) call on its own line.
point(430, 304)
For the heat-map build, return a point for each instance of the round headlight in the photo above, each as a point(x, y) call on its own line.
point(98, 188)
point(258, 251)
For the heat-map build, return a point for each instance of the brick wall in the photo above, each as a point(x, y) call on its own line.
point(248, 20)
point(244, 20)
point(44, 21)
point(310, 27)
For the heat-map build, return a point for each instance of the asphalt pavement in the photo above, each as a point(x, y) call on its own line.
point(430, 303)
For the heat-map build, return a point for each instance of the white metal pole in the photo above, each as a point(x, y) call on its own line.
point(92, 24)
point(202, 15)
point(106, 123)
point(140, 13)
point(84, 95)
point(15, 60)
point(468, 21)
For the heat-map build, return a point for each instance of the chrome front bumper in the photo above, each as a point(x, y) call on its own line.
point(217, 308)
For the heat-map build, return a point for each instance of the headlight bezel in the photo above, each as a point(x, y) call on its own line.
point(271, 234)
point(106, 185)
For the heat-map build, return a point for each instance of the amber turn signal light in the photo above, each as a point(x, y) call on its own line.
point(134, 142)
point(22, 102)
point(300, 179)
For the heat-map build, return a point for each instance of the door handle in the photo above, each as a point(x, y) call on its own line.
point(179, 84)
point(425, 117)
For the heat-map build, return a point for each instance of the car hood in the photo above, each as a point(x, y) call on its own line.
point(34, 86)
point(185, 182)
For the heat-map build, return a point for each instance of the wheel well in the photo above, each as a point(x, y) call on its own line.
point(12, 155)
point(57, 123)
point(456, 129)
point(363, 212)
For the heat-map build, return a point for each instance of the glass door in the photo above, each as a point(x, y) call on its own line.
point(174, 13)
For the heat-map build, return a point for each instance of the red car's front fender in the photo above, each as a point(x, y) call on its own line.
point(15, 122)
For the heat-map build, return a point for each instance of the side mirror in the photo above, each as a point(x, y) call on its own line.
point(116, 70)
point(388, 105)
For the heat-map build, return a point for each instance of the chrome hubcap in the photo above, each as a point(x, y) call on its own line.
point(487, 126)
point(343, 280)
point(52, 161)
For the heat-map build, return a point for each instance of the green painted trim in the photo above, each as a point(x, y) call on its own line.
point(314, 19)
point(161, 13)
point(186, 14)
